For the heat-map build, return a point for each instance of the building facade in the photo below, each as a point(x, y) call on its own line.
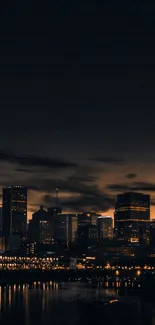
point(132, 217)
point(14, 219)
point(105, 227)
point(40, 229)
point(72, 221)
point(152, 232)
point(88, 235)
point(87, 218)
point(65, 228)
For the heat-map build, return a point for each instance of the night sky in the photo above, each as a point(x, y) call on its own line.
point(77, 101)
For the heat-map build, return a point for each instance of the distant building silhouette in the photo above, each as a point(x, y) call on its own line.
point(53, 211)
point(40, 228)
point(152, 232)
point(1, 221)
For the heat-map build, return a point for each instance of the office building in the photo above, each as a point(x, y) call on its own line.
point(84, 219)
point(65, 228)
point(40, 229)
point(72, 220)
point(152, 232)
point(28, 248)
point(14, 214)
point(87, 218)
point(1, 220)
point(88, 235)
point(105, 227)
point(60, 229)
point(132, 217)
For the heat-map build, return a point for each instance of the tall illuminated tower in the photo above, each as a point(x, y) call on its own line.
point(14, 211)
point(132, 216)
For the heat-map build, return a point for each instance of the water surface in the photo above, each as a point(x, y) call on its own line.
point(70, 304)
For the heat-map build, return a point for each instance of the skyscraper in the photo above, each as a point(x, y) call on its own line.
point(65, 228)
point(88, 235)
point(105, 228)
point(132, 216)
point(14, 211)
point(40, 228)
point(152, 232)
point(87, 218)
point(72, 221)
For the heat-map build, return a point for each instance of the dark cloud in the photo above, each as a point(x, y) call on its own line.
point(136, 186)
point(64, 185)
point(31, 170)
point(36, 161)
point(26, 170)
point(109, 160)
point(84, 179)
point(144, 186)
point(118, 187)
point(88, 202)
point(79, 196)
point(130, 176)
point(84, 202)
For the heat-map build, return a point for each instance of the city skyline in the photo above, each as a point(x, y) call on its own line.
point(77, 162)
point(56, 198)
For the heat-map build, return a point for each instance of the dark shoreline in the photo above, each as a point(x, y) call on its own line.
point(93, 276)
point(145, 282)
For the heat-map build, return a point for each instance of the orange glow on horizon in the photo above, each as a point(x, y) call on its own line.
point(109, 212)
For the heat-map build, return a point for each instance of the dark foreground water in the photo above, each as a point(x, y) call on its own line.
point(70, 303)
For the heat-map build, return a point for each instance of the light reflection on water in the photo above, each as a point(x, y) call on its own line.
point(50, 303)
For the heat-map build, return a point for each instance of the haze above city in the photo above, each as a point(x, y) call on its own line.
point(77, 105)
